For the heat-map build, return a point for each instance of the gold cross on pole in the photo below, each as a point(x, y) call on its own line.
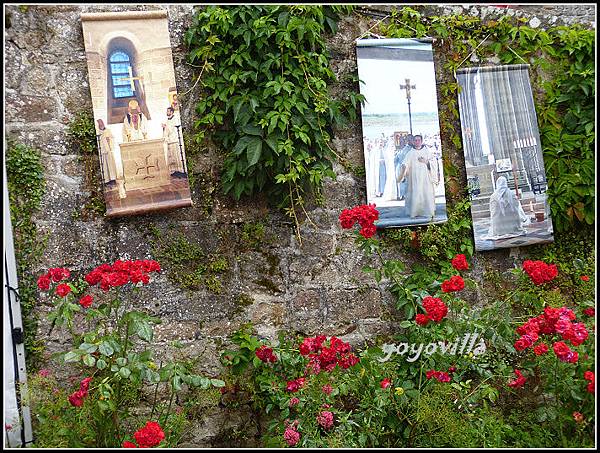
point(131, 78)
point(407, 86)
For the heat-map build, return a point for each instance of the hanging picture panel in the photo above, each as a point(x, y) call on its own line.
point(136, 112)
point(503, 157)
point(401, 132)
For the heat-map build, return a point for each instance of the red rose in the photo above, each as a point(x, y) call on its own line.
point(63, 289)
point(585, 278)
point(128, 444)
point(291, 436)
point(43, 282)
point(519, 382)
point(368, 231)
point(421, 319)
point(76, 398)
point(385, 383)
point(325, 419)
point(86, 301)
point(265, 354)
point(59, 273)
point(540, 349)
point(590, 311)
point(459, 262)
point(327, 389)
point(455, 283)
point(150, 435)
point(435, 308)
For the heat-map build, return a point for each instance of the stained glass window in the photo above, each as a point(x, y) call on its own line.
point(119, 70)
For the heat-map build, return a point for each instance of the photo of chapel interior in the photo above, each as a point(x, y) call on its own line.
point(136, 110)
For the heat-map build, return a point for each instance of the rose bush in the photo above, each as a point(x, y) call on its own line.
point(109, 339)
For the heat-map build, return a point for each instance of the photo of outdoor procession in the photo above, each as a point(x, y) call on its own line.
point(503, 158)
point(401, 138)
point(136, 110)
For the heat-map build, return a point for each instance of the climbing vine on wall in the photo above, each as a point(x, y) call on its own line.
point(26, 187)
point(265, 76)
point(563, 80)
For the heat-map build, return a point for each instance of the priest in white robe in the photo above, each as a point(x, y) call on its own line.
point(421, 178)
point(170, 134)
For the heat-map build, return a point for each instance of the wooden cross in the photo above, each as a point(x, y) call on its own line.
point(407, 86)
point(131, 78)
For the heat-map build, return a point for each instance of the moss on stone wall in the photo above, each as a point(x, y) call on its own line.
point(187, 263)
point(82, 136)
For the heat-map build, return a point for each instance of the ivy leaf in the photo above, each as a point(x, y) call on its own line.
point(254, 150)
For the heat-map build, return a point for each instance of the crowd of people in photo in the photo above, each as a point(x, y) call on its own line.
point(404, 169)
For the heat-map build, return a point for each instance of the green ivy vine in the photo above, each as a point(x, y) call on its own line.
point(265, 100)
point(26, 188)
point(563, 80)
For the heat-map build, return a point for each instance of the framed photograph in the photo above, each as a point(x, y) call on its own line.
point(136, 111)
point(401, 131)
point(503, 157)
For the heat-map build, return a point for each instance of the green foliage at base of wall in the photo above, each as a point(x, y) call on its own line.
point(439, 242)
point(265, 77)
point(563, 81)
point(26, 187)
point(82, 136)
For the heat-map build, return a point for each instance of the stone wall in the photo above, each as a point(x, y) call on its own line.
point(277, 283)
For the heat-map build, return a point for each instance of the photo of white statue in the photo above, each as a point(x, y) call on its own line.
point(503, 157)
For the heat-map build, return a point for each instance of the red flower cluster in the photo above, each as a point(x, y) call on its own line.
point(385, 383)
point(519, 381)
point(121, 273)
point(55, 274)
point(455, 283)
point(590, 311)
point(540, 272)
point(440, 376)
point(265, 354)
point(365, 215)
point(325, 419)
point(149, 436)
point(435, 308)
point(295, 385)
point(76, 398)
point(590, 376)
point(327, 357)
point(459, 262)
point(327, 389)
point(554, 321)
